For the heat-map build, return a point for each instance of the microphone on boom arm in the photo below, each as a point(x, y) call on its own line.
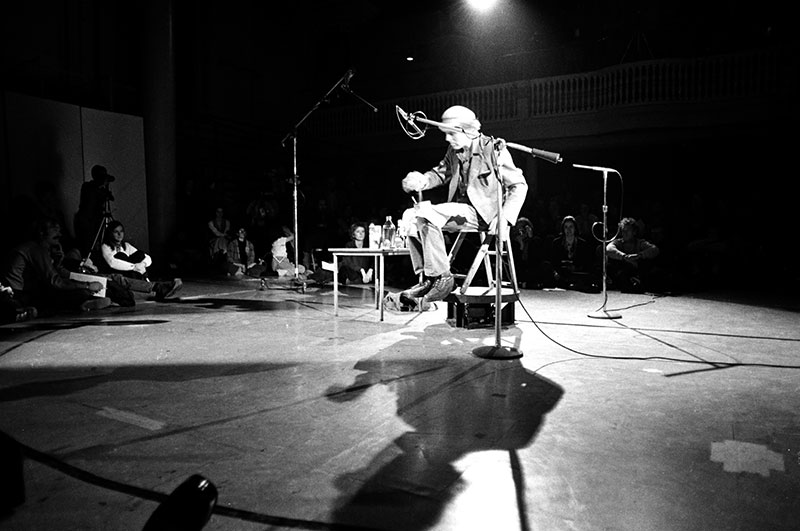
point(345, 84)
point(408, 122)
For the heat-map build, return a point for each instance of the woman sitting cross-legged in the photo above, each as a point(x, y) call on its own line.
point(128, 265)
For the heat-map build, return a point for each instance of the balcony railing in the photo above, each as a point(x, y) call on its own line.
point(760, 77)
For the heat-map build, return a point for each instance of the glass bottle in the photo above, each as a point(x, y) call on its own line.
point(387, 237)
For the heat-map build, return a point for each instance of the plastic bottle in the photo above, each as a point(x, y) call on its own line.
point(387, 237)
point(374, 240)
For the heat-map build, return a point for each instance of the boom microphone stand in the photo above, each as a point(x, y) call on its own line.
point(407, 121)
point(602, 313)
point(344, 84)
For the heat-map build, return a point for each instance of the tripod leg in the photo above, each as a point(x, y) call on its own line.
point(98, 237)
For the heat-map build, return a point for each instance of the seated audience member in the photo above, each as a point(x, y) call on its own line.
point(356, 269)
point(261, 221)
point(569, 261)
point(522, 246)
point(242, 257)
point(120, 256)
point(281, 263)
point(128, 265)
point(37, 282)
point(630, 259)
point(220, 235)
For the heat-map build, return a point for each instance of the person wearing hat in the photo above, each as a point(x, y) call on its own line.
point(469, 170)
point(95, 195)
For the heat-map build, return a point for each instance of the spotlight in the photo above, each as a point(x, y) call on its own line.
point(482, 5)
point(188, 508)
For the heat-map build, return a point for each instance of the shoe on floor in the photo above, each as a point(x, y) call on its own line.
point(165, 290)
point(95, 303)
point(419, 289)
point(441, 288)
point(26, 313)
point(367, 276)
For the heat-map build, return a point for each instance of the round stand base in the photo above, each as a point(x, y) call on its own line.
point(497, 353)
point(604, 314)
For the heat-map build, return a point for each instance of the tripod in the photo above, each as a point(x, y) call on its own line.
point(101, 229)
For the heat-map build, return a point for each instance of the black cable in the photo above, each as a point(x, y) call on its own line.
point(715, 365)
point(160, 497)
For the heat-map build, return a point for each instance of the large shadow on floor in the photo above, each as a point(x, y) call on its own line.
point(455, 407)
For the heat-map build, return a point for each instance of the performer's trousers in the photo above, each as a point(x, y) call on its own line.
point(426, 223)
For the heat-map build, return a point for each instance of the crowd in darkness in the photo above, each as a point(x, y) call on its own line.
point(696, 245)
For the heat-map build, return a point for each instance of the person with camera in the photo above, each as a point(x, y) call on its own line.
point(94, 205)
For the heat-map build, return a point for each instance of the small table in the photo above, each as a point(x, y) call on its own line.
point(379, 255)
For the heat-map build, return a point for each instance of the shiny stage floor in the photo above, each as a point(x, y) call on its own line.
point(683, 414)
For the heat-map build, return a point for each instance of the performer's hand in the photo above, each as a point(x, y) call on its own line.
point(413, 182)
point(140, 268)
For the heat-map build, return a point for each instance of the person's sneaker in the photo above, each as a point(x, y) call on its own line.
point(26, 313)
point(95, 303)
point(419, 289)
point(412, 305)
point(441, 288)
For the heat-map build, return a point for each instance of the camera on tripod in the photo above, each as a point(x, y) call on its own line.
point(103, 178)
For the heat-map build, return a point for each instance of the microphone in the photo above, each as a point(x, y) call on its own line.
point(347, 77)
point(549, 156)
point(595, 168)
point(410, 127)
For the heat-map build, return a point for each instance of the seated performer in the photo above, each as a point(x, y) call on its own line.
point(469, 172)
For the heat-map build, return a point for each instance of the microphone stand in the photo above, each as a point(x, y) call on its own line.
point(497, 351)
point(602, 313)
point(343, 83)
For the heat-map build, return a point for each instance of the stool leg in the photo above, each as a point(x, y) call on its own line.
point(511, 267)
point(479, 257)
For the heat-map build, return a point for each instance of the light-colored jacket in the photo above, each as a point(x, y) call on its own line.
point(482, 186)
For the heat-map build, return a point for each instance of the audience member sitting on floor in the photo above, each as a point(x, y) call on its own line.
point(630, 259)
point(356, 269)
point(569, 261)
point(281, 263)
point(220, 235)
point(523, 244)
point(128, 265)
point(242, 257)
point(120, 256)
point(37, 282)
